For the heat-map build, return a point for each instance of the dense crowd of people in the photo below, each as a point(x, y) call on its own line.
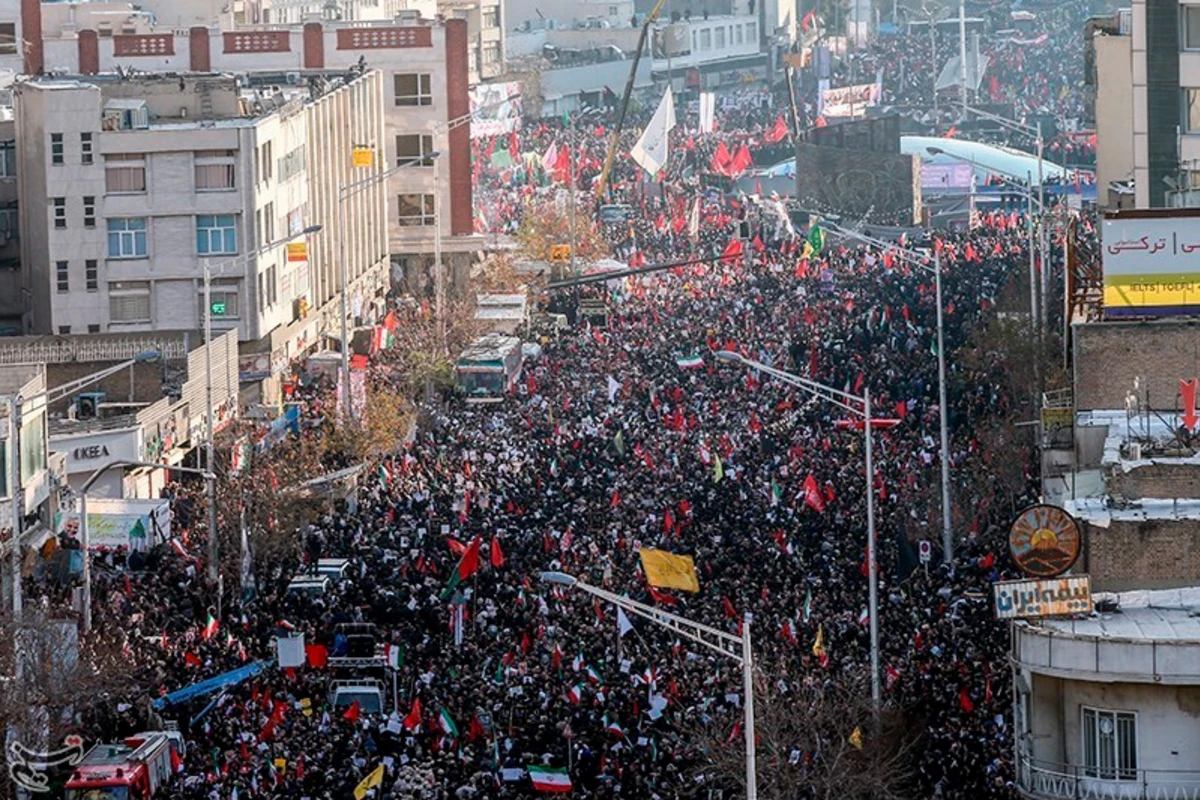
point(626, 435)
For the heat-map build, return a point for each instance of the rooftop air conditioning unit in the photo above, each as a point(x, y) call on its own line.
point(293, 79)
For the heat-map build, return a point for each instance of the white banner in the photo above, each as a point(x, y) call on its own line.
point(708, 112)
point(651, 150)
point(136, 524)
point(849, 101)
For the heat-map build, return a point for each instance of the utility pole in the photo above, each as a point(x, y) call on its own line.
point(962, 49)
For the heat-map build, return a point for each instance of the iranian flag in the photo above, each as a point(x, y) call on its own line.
point(550, 779)
point(575, 693)
point(210, 627)
point(447, 724)
point(694, 361)
point(467, 566)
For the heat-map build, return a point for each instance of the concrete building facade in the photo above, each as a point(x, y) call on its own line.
point(120, 172)
point(1105, 706)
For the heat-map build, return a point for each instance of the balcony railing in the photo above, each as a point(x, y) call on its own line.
point(1044, 779)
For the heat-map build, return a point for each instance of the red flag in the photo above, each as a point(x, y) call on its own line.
point(742, 160)
point(728, 608)
point(759, 247)
point(191, 659)
point(353, 712)
point(812, 494)
point(988, 561)
point(964, 701)
point(809, 20)
point(456, 547)
point(733, 250)
point(721, 160)
point(176, 761)
point(413, 721)
point(777, 132)
point(616, 498)
point(497, 554)
point(317, 655)
point(662, 598)
point(950, 134)
point(476, 730)
point(820, 123)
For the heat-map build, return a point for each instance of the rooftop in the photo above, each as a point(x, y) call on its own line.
point(1168, 615)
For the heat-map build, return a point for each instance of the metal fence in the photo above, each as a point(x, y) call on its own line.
point(1044, 779)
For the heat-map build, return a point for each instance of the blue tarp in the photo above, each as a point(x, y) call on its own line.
point(211, 685)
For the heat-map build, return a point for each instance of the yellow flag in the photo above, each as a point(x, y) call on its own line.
point(669, 571)
point(856, 738)
point(819, 644)
point(369, 782)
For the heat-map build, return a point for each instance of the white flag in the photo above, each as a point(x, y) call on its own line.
point(694, 222)
point(624, 626)
point(708, 112)
point(550, 157)
point(650, 151)
point(613, 387)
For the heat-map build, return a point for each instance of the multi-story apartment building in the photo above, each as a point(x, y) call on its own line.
point(485, 30)
point(132, 187)
point(1146, 73)
point(426, 80)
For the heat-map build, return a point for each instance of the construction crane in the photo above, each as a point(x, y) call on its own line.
point(616, 134)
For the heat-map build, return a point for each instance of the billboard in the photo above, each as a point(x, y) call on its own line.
point(495, 109)
point(1151, 263)
point(936, 177)
point(1046, 598)
point(849, 101)
point(136, 524)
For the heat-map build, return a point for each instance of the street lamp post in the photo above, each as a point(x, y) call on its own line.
point(211, 487)
point(738, 648)
point(859, 406)
point(943, 409)
point(84, 535)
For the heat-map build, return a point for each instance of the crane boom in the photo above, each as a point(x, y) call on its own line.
point(612, 144)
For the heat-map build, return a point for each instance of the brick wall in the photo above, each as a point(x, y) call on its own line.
point(1155, 554)
point(1110, 355)
point(146, 384)
point(1165, 481)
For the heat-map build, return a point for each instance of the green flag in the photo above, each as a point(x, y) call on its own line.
point(816, 238)
point(619, 443)
point(776, 492)
point(718, 469)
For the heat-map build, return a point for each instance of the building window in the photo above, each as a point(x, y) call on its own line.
point(263, 164)
point(62, 275)
point(737, 30)
point(1191, 27)
point(268, 288)
point(56, 148)
point(127, 238)
point(129, 301)
point(60, 212)
point(414, 89)
point(491, 53)
point(93, 328)
point(264, 224)
point(491, 17)
point(706, 39)
point(216, 234)
point(89, 211)
point(415, 209)
point(8, 38)
point(8, 159)
point(1109, 744)
point(222, 301)
point(214, 175)
point(719, 38)
point(91, 274)
point(751, 32)
point(85, 148)
point(64, 330)
point(8, 225)
point(125, 173)
point(413, 150)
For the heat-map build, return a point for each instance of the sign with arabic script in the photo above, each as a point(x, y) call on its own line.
point(1151, 262)
point(1016, 599)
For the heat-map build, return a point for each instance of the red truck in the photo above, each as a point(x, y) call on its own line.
point(135, 769)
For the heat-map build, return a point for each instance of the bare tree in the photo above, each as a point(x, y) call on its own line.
point(817, 740)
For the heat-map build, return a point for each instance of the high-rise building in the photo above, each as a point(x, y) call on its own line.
point(133, 185)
